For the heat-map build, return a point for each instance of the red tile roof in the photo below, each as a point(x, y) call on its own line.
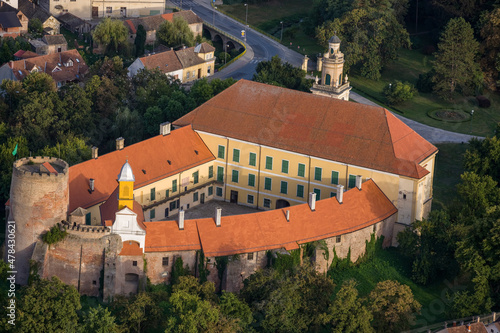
point(474, 328)
point(110, 207)
point(324, 127)
point(49, 168)
point(130, 248)
point(152, 155)
point(166, 62)
point(270, 230)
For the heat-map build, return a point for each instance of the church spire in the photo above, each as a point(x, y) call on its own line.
point(126, 181)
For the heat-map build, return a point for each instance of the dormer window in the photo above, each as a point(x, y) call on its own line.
point(56, 69)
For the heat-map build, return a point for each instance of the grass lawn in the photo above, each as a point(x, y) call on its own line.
point(449, 167)
point(390, 265)
point(410, 64)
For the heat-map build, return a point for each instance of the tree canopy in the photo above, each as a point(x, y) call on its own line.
point(175, 33)
point(282, 74)
point(110, 33)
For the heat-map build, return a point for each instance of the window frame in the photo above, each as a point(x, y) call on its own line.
point(235, 174)
point(301, 167)
point(221, 150)
point(254, 155)
point(302, 187)
point(268, 180)
point(269, 163)
point(318, 171)
point(252, 177)
point(236, 155)
point(335, 177)
point(284, 185)
point(283, 163)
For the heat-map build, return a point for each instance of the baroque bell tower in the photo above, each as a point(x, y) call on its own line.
point(333, 83)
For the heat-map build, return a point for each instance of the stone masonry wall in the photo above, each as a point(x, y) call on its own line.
point(157, 273)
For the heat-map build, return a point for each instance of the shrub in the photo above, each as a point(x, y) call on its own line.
point(54, 235)
point(424, 83)
point(224, 57)
point(483, 101)
point(398, 92)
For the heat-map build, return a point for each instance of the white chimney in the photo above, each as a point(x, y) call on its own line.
point(165, 128)
point(95, 152)
point(359, 180)
point(91, 184)
point(287, 215)
point(312, 201)
point(181, 219)
point(340, 193)
point(120, 143)
point(218, 214)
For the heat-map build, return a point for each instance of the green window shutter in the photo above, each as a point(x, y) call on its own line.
point(222, 152)
point(153, 194)
point(210, 171)
point(251, 180)
point(317, 174)
point(318, 193)
point(352, 181)
point(219, 191)
point(284, 166)
point(196, 177)
point(173, 205)
point(269, 163)
point(152, 214)
point(236, 155)
point(284, 187)
point(302, 170)
point(195, 196)
point(220, 174)
point(300, 191)
point(210, 190)
point(335, 177)
point(253, 159)
point(88, 219)
point(167, 193)
point(267, 183)
point(174, 185)
point(234, 177)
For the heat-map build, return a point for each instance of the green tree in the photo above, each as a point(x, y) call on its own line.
point(490, 47)
point(347, 312)
point(477, 194)
point(393, 306)
point(99, 320)
point(399, 92)
point(140, 40)
point(483, 157)
point(232, 307)
point(39, 82)
point(284, 75)
point(48, 306)
point(73, 150)
point(110, 34)
point(35, 26)
point(456, 64)
point(175, 33)
point(6, 53)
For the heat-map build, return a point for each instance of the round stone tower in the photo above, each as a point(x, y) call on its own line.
point(39, 198)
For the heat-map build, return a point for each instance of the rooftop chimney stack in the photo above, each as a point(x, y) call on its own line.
point(91, 184)
point(312, 201)
point(340, 193)
point(95, 152)
point(287, 215)
point(181, 219)
point(120, 143)
point(218, 215)
point(359, 180)
point(165, 128)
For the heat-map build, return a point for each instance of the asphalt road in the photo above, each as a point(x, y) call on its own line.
point(259, 47)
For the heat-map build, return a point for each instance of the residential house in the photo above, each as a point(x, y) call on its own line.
point(11, 6)
point(75, 24)
point(49, 44)
point(22, 54)
point(10, 26)
point(33, 11)
point(186, 65)
point(63, 67)
point(152, 23)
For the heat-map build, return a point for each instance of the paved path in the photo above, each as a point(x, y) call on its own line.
point(431, 134)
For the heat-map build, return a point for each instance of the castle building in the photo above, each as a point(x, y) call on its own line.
point(319, 168)
point(333, 83)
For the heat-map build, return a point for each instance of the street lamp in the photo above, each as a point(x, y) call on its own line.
point(471, 117)
point(246, 14)
point(213, 16)
point(225, 52)
point(281, 37)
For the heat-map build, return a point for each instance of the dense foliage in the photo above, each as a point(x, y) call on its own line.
point(282, 74)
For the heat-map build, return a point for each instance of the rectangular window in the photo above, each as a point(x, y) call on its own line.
point(134, 263)
point(109, 10)
point(173, 205)
point(220, 174)
point(152, 214)
point(250, 256)
point(235, 176)
point(196, 176)
point(352, 181)
point(88, 219)
point(153, 194)
point(195, 196)
point(269, 163)
point(164, 261)
point(253, 159)
point(335, 177)
point(167, 193)
point(317, 174)
point(284, 187)
point(210, 190)
point(302, 170)
point(218, 191)
point(318, 193)
point(208, 69)
point(174, 185)
point(338, 239)
point(300, 191)
point(187, 75)
point(210, 171)
point(222, 152)
point(250, 199)
point(333, 194)
point(267, 183)
point(284, 166)
point(236, 155)
point(267, 203)
point(251, 180)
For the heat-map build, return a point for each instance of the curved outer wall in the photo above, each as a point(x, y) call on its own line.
point(38, 201)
